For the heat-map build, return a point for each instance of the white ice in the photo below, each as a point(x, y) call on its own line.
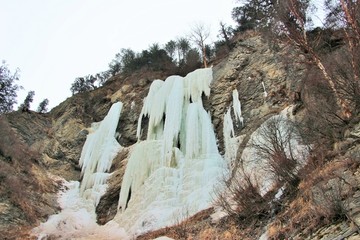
point(97, 154)
point(171, 175)
point(237, 107)
point(256, 167)
point(232, 142)
point(77, 219)
point(265, 92)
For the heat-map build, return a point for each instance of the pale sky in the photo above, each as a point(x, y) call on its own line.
point(55, 41)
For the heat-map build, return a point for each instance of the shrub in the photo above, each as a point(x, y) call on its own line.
point(241, 198)
point(277, 148)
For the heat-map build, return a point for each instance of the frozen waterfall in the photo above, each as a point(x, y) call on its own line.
point(232, 142)
point(173, 172)
point(97, 154)
point(77, 219)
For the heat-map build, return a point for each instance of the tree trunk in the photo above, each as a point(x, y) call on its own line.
point(204, 56)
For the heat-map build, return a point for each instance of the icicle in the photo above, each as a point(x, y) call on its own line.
point(265, 93)
point(178, 164)
point(193, 131)
point(237, 107)
point(198, 82)
point(173, 113)
point(98, 152)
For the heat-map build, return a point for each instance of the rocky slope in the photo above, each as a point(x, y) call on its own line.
point(35, 148)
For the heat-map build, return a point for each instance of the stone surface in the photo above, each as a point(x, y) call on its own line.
point(56, 138)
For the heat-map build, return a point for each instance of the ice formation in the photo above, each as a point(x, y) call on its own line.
point(97, 154)
point(265, 92)
point(77, 219)
point(173, 172)
point(232, 142)
point(254, 165)
point(237, 107)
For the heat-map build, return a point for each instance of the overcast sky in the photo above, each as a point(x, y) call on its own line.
point(55, 41)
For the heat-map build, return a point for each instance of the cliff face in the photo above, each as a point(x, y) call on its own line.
point(35, 148)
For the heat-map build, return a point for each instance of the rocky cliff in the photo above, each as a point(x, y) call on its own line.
point(37, 149)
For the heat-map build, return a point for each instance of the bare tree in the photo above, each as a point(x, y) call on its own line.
point(199, 34)
point(293, 23)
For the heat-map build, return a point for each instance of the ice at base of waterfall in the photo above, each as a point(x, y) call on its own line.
point(77, 219)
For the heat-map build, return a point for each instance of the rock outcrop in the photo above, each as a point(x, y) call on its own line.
point(35, 148)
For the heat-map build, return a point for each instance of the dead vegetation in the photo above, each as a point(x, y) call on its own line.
point(322, 199)
point(22, 186)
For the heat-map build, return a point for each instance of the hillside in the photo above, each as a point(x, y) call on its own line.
point(317, 198)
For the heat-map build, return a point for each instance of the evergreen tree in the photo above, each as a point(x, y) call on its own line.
point(170, 48)
point(183, 46)
point(83, 84)
point(25, 106)
point(42, 108)
point(254, 14)
point(8, 88)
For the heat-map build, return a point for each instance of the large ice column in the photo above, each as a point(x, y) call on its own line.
point(231, 142)
point(77, 219)
point(175, 169)
point(97, 154)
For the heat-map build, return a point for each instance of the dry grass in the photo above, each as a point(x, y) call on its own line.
point(320, 201)
point(22, 181)
point(242, 199)
point(200, 227)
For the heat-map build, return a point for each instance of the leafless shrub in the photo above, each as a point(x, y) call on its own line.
point(181, 224)
point(241, 199)
point(277, 149)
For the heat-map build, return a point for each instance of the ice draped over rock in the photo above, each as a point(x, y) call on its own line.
point(77, 219)
point(175, 169)
point(237, 107)
point(232, 142)
point(285, 134)
point(97, 154)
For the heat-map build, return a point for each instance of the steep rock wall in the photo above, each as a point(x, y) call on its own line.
point(59, 136)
